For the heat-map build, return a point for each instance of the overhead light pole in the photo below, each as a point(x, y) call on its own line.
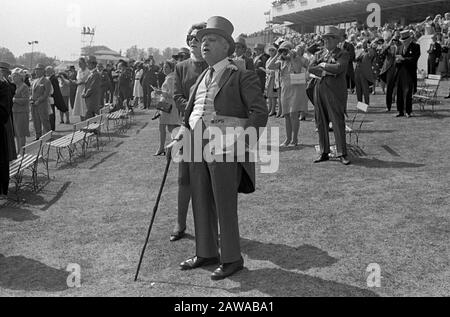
point(32, 43)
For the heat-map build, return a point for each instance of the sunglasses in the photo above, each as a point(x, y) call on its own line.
point(189, 38)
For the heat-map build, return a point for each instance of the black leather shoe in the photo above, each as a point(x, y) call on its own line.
point(400, 115)
point(448, 97)
point(344, 160)
point(196, 262)
point(177, 235)
point(226, 270)
point(322, 158)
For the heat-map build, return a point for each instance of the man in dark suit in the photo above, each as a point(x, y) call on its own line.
point(149, 79)
point(241, 60)
point(406, 64)
point(5, 114)
point(234, 95)
point(387, 73)
point(260, 64)
point(106, 84)
point(92, 90)
point(434, 54)
point(350, 76)
point(58, 100)
point(330, 94)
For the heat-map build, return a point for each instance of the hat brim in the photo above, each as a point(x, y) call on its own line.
point(222, 33)
point(332, 35)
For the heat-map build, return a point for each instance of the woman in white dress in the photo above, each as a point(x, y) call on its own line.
point(138, 91)
point(171, 120)
point(79, 108)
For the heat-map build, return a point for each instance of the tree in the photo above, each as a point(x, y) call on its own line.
point(135, 53)
point(7, 56)
point(37, 57)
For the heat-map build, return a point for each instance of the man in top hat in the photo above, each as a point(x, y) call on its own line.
point(434, 55)
point(240, 59)
point(92, 90)
point(350, 48)
point(407, 56)
point(40, 103)
point(234, 95)
point(149, 79)
point(330, 94)
point(5, 115)
point(260, 64)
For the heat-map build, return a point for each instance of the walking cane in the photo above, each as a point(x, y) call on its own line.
point(155, 209)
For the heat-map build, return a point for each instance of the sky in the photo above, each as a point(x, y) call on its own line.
point(56, 24)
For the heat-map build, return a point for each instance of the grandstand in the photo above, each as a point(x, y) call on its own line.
point(305, 15)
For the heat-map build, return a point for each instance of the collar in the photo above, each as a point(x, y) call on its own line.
point(221, 65)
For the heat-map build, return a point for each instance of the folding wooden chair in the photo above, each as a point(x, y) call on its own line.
point(428, 93)
point(361, 108)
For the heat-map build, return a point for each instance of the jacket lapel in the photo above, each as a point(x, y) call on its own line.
point(190, 106)
point(225, 77)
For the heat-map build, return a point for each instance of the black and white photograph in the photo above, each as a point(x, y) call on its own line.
point(225, 155)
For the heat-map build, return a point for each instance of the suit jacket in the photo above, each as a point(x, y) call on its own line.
point(411, 57)
point(5, 113)
point(364, 62)
point(40, 90)
point(389, 62)
point(259, 62)
point(239, 96)
point(57, 96)
point(347, 46)
point(334, 85)
point(92, 91)
point(435, 51)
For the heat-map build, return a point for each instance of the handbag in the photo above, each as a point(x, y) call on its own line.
point(164, 106)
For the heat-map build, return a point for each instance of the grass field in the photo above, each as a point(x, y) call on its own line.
point(309, 230)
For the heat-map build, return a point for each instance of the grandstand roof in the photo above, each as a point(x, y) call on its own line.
point(309, 12)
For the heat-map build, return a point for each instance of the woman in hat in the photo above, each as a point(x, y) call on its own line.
point(21, 109)
point(271, 91)
point(293, 94)
point(79, 108)
point(170, 120)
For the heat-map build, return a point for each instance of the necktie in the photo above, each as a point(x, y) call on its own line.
point(209, 76)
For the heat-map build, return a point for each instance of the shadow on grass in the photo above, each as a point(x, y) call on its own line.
point(300, 258)
point(103, 160)
point(280, 283)
point(375, 163)
point(17, 214)
point(20, 273)
point(376, 131)
point(58, 195)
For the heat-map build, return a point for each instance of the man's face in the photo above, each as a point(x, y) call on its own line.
point(331, 42)
point(91, 65)
point(40, 73)
point(214, 48)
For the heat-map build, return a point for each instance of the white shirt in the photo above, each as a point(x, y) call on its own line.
point(204, 98)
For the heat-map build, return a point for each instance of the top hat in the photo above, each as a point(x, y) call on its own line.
point(405, 35)
point(332, 31)
point(91, 59)
point(5, 65)
point(39, 66)
point(240, 40)
point(219, 26)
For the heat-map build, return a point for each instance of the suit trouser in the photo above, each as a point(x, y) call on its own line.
point(215, 201)
point(326, 113)
point(390, 85)
point(362, 87)
point(41, 119)
point(147, 97)
point(52, 119)
point(405, 90)
point(432, 65)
